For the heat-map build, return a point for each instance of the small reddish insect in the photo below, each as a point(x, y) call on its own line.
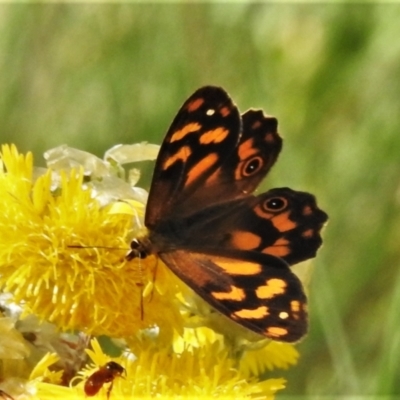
point(105, 374)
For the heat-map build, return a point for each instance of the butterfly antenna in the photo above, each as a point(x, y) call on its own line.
point(71, 246)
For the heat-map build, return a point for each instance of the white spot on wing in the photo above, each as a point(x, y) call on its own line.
point(210, 112)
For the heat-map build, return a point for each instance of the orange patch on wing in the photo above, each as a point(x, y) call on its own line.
point(214, 136)
point(195, 104)
point(272, 287)
point(281, 242)
point(202, 166)
point(256, 313)
point(237, 267)
point(186, 130)
point(276, 331)
point(256, 125)
point(246, 149)
point(182, 154)
point(245, 240)
point(261, 213)
point(295, 306)
point(308, 233)
point(283, 223)
point(225, 111)
point(278, 251)
point(235, 294)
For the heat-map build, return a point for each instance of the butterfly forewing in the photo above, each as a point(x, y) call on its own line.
point(255, 290)
point(241, 172)
point(210, 154)
point(204, 133)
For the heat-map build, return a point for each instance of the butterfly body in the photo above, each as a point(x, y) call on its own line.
point(232, 248)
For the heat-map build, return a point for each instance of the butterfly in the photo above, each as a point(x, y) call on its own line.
point(232, 248)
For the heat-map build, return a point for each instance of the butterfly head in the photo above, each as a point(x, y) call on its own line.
point(140, 248)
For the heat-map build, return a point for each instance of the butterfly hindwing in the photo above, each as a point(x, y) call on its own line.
point(296, 219)
point(256, 290)
point(281, 222)
point(259, 147)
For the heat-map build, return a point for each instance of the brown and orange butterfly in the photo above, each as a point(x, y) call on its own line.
point(232, 248)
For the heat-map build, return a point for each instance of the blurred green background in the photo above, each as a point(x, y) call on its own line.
point(92, 76)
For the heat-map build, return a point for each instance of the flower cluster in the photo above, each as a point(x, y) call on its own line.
point(71, 301)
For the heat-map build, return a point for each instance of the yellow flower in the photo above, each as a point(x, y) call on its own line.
point(201, 373)
point(65, 233)
point(254, 357)
point(63, 255)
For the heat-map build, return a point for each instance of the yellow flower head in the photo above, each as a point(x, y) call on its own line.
point(62, 254)
point(197, 373)
point(65, 233)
